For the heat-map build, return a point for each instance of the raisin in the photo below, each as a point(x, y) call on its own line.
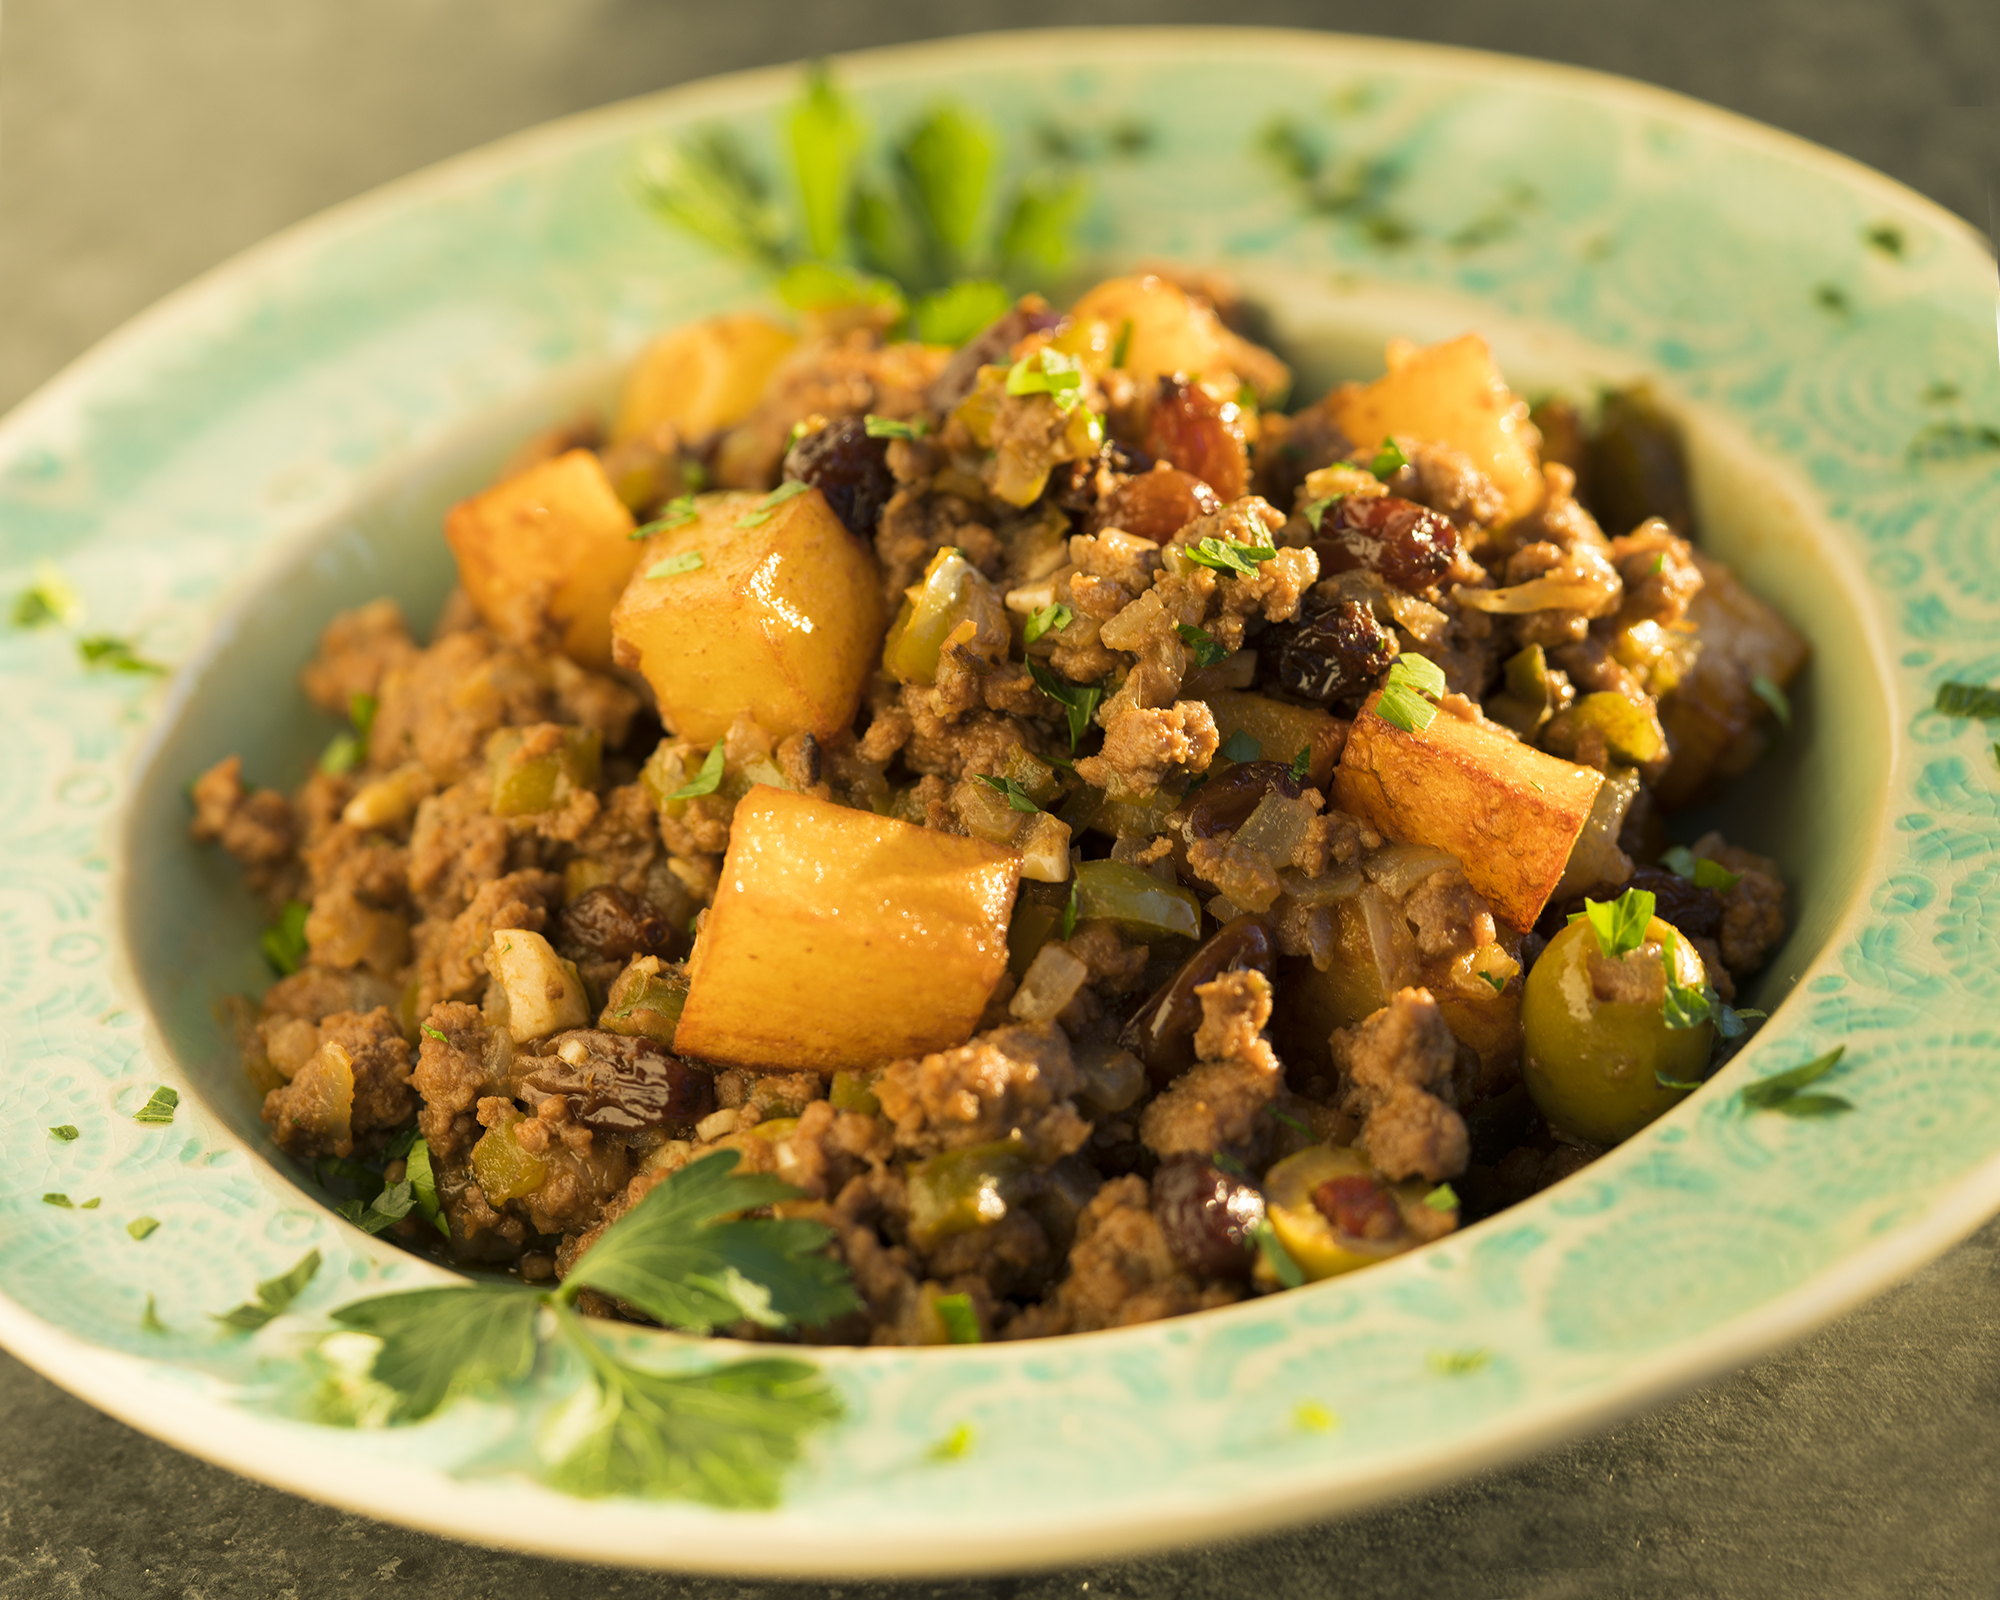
point(849, 468)
point(1205, 1216)
point(1161, 1032)
point(611, 924)
point(1358, 1207)
point(618, 1084)
point(1156, 505)
point(1223, 804)
point(1693, 911)
point(1201, 435)
point(1410, 545)
point(1334, 654)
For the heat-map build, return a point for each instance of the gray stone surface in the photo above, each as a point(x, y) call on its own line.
point(142, 142)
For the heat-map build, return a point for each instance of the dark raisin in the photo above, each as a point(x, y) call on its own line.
point(1156, 505)
point(1205, 1216)
point(1291, 447)
point(1200, 434)
point(1333, 655)
point(992, 346)
point(611, 924)
point(618, 1084)
point(1410, 545)
point(1693, 911)
point(1359, 1207)
point(849, 468)
point(1224, 804)
point(1161, 1032)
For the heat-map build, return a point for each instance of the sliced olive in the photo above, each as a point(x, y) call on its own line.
point(1161, 1032)
point(1333, 1212)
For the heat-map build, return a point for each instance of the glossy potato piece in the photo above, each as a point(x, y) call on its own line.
point(544, 556)
point(1283, 730)
point(781, 616)
point(1174, 333)
point(702, 378)
point(1507, 811)
point(841, 940)
point(1451, 393)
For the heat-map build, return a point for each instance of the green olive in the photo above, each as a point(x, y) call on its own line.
point(1595, 1061)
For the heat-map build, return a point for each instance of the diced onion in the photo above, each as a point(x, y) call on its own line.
point(1050, 983)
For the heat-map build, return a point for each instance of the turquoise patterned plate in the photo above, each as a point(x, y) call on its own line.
point(277, 441)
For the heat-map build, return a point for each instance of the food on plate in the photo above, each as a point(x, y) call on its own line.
point(1111, 846)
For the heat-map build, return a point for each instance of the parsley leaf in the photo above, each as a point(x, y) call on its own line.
point(417, 1170)
point(91, 1204)
point(1774, 697)
point(1699, 870)
point(159, 1110)
point(1389, 460)
point(1048, 372)
point(1231, 560)
point(761, 513)
point(1275, 1255)
point(383, 1212)
point(1443, 1198)
point(961, 1322)
point(284, 942)
point(1079, 700)
point(114, 654)
point(1122, 346)
point(1407, 698)
point(672, 1258)
point(149, 1319)
point(825, 136)
point(1781, 1091)
point(1457, 1363)
point(55, 1199)
point(1494, 982)
point(1620, 925)
point(1288, 1120)
point(273, 1296)
point(674, 566)
point(50, 598)
point(361, 709)
point(342, 754)
point(1207, 652)
point(1052, 618)
point(889, 428)
point(1017, 797)
point(947, 159)
point(1241, 746)
point(677, 513)
point(143, 1227)
point(1314, 510)
point(706, 781)
point(723, 1436)
point(1302, 764)
point(65, 1132)
point(441, 1342)
point(435, 1033)
point(1684, 1006)
point(1968, 700)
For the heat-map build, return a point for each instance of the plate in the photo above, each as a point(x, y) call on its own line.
point(277, 441)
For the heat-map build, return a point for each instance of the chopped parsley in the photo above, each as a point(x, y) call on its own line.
point(1241, 746)
point(143, 1227)
point(361, 709)
point(1302, 764)
point(65, 1131)
point(1229, 559)
point(63, 1200)
point(1288, 1120)
point(1207, 652)
point(678, 512)
point(50, 598)
point(91, 1204)
point(959, 310)
point(1457, 1363)
point(1314, 510)
point(159, 1110)
point(1886, 237)
point(706, 781)
point(1408, 698)
point(955, 1444)
point(342, 754)
point(1276, 1256)
point(1953, 441)
point(1443, 1198)
point(1122, 347)
point(890, 428)
point(1620, 925)
point(1659, 565)
point(961, 1322)
point(1078, 700)
point(149, 1319)
point(1223, 1161)
point(434, 1033)
point(114, 655)
point(761, 513)
point(1069, 909)
point(1048, 372)
point(1774, 697)
point(1785, 1091)
point(1017, 798)
point(1389, 460)
point(284, 942)
point(1973, 700)
point(1312, 1417)
point(1685, 1006)
point(1051, 618)
point(674, 566)
point(1497, 984)
point(274, 1295)
point(1699, 870)
point(383, 1212)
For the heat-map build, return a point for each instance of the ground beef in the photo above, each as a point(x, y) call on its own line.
point(1394, 1070)
point(1753, 910)
point(356, 651)
point(1217, 1104)
point(254, 826)
point(1013, 1081)
point(459, 1060)
point(1121, 1270)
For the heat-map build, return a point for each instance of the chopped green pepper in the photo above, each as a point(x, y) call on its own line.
point(1141, 905)
point(526, 784)
point(646, 1005)
point(964, 1189)
point(952, 591)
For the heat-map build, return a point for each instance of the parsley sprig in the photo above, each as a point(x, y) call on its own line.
point(707, 780)
point(760, 513)
point(1078, 700)
point(1202, 645)
point(1228, 558)
point(677, 513)
point(1408, 698)
point(1051, 618)
point(1389, 460)
point(722, 1434)
point(1620, 925)
point(1018, 799)
point(1786, 1091)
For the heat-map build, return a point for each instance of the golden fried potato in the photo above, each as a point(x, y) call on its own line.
point(760, 603)
point(544, 556)
point(840, 939)
point(1171, 332)
point(702, 378)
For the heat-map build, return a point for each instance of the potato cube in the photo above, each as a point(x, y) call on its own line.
point(544, 556)
point(762, 603)
point(1170, 332)
point(1282, 730)
point(1507, 811)
point(1451, 393)
point(702, 378)
point(840, 939)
